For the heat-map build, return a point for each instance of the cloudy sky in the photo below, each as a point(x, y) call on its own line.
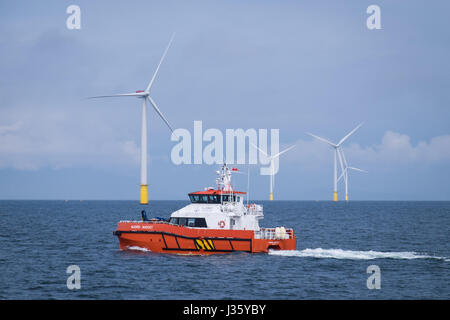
point(296, 66)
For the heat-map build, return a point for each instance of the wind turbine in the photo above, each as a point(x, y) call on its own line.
point(336, 155)
point(144, 95)
point(272, 158)
point(344, 168)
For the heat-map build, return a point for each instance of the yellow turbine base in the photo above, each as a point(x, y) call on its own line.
point(335, 196)
point(271, 197)
point(346, 197)
point(144, 194)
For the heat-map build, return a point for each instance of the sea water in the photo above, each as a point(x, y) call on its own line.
point(336, 243)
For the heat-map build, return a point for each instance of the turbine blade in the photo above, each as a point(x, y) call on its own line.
point(349, 134)
point(322, 139)
point(357, 169)
point(341, 163)
point(160, 61)
point(260, 150)
point(342, 174)
point(343, 156)
point(133, 94)
point(160, 113)
point(280, 153)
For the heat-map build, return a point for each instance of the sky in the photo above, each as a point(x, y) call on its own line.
point(296, 66)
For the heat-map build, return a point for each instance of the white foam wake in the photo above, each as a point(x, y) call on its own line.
point(352, 255)
point(136, 248)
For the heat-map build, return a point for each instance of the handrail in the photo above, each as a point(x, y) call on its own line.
point(149, 221)
point(254, 208)
point(270, 233)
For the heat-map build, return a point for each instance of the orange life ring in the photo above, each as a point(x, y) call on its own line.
point(221, 224)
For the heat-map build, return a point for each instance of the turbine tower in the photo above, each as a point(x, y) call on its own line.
point(144, 95)
point(344, 168)
point(272, 174)
point(337, 148)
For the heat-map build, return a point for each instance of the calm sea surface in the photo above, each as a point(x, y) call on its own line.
point(336, 242)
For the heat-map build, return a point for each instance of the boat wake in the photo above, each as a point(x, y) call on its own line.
point(352, 255)
point(136, 248)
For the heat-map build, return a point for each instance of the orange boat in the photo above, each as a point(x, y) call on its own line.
point(216, 221)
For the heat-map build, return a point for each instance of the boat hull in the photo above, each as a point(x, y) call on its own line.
point(174, 239)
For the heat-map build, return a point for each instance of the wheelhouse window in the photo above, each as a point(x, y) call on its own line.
point(189, 222)
point(194, 198)
point(228, 198)
point(204, 198)
point(213, 198)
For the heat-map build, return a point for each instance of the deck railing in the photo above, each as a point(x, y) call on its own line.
point(254, 209)
point(274, 234)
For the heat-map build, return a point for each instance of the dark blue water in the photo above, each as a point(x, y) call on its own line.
point(409, 241)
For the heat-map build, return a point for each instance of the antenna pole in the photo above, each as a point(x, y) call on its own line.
point(248, 184)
